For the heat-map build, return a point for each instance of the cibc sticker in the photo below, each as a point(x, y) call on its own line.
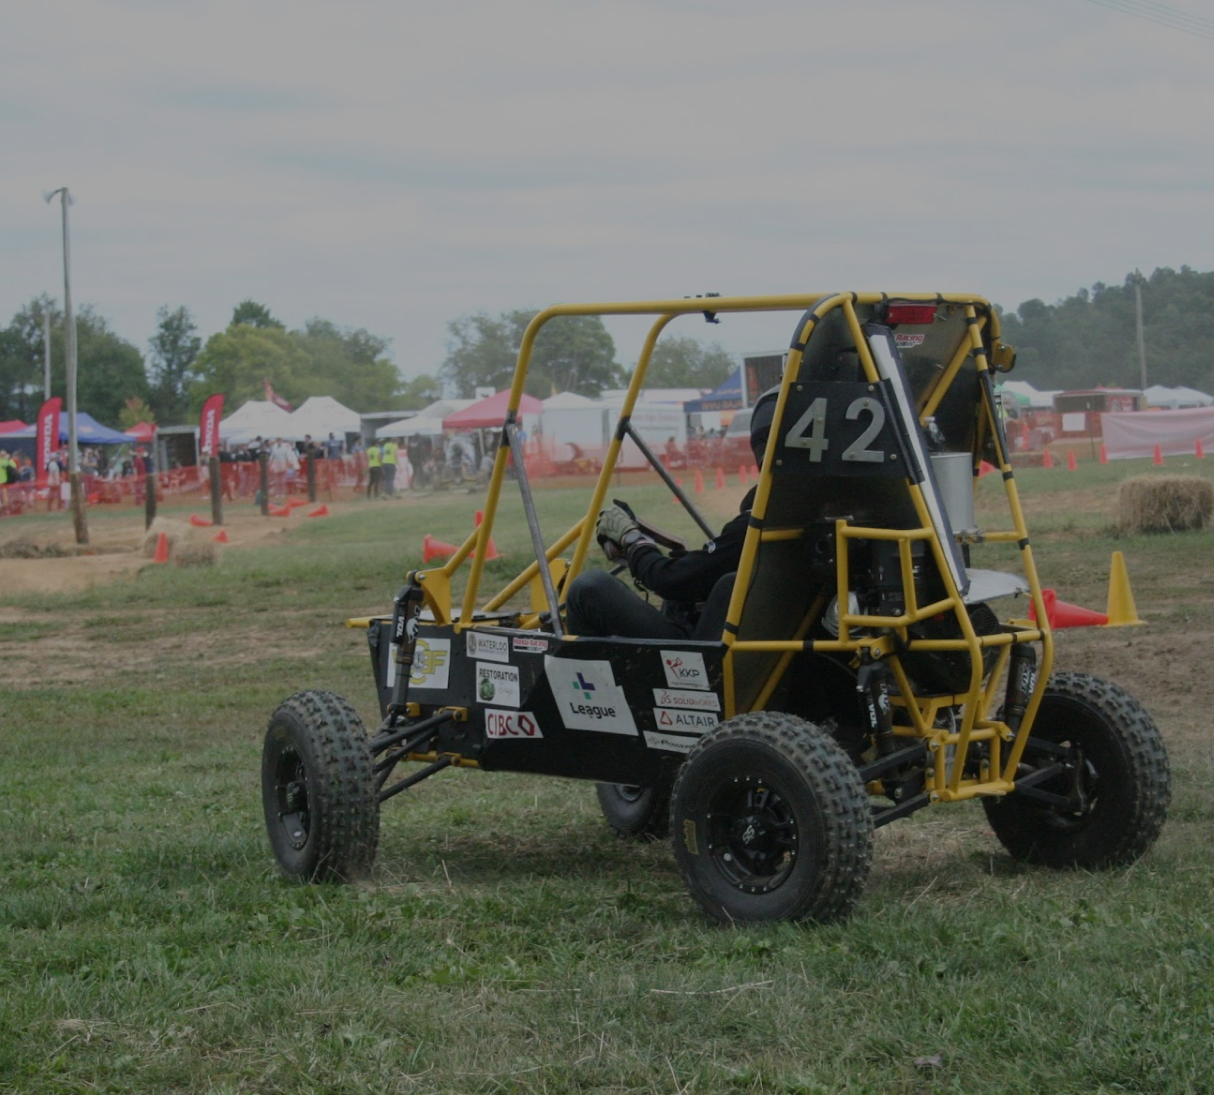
point(497, 684)
point(684, 670)
point(687, 722)
point(431, 664)
point(495, 648)
point(512, 724)
point(587, 696)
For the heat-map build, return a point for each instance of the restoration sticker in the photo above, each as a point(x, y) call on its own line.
point(587, 696)
point(671, 743)
point(689, 722)
point(684, 670)
point(512, 724)
point(694, 701)
point(496, 648)
point(497, 684)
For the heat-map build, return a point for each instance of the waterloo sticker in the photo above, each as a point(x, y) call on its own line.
point(512, 724)
point(431, 664)
point(495, 648)
point(497, 684)
point(684, 670)
point(687, 722)
point(587, 696)
point(693, 701)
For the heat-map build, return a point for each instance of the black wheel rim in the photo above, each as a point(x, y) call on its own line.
point(291, 795)
point(629, 792)
point(1079, 782)
point(752, 834)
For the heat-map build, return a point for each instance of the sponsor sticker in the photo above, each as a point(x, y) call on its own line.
point(526, 645)
point(684, 670)
point(695, 701)
point(587, 696)
point(512, 724)
point(497, 684)
point(431, 664)
point(908, 341)
point(688, 722)
point(671, 743)
point(494, 648)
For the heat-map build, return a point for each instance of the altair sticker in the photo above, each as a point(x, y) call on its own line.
point(495, 648)
point(670, 743)
point(497, 684)
point(521, 725)
point(587, 696)
point(694, 701)
point(689, 722)
point(684, 670)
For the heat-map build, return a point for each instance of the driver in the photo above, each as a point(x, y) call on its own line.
point(695, 586)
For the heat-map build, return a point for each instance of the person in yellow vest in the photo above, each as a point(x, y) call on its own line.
point(374, 471)
point(389, 472)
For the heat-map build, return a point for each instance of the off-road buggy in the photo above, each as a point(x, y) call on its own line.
point(860, 673)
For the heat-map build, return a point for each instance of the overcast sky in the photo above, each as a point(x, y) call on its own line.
point(394, 164)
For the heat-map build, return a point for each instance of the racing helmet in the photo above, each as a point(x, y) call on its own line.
point(760, 422)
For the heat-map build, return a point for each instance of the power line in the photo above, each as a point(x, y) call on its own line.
point(1162, 15)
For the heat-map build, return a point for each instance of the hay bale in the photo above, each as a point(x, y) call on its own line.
point(202, 554)
point(177, 532)
point(1165, 503)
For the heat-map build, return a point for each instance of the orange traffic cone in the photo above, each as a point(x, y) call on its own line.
point(320, 511)
point(1047, 458)
point(279, 511)
point(985, 468)
point(1071, 465)
point(222, 538)
point(1200, 451)
point(721, 477)
point(1060, 614)
point(162, 549)
point(1158, 458)
point(436, 549)
point(491, 551)
point(295, 503)
point(699, 481)
point(1104, 454)
point(754, 472)
point(742, 477)
point(200, 522)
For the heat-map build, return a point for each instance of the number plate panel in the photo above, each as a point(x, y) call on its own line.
point(842, 428)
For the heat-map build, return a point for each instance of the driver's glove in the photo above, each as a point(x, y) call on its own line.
point(613, 525)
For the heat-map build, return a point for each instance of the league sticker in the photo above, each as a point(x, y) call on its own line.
point(686, 722)
point(495, 648)
point(670, 743)
point(497, 684)
point(587, 696)
point(510, 725)
point(684, 670)
point(693, 701)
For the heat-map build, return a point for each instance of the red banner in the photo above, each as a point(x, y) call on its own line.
point(277, 400)
point(48, 437)
point(208, 426)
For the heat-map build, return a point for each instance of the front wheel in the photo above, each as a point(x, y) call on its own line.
point(771, 822)
point(321, 807)
point(636, 813)
point(1110, 798)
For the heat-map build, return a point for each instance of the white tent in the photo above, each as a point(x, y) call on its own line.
point(412, 427)
point(563, 400)
point(321, 415)
point(257, 418)
point(1174, 399)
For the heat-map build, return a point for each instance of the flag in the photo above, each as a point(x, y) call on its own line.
point(277, 400)
point(48, 437)
point(208, 425)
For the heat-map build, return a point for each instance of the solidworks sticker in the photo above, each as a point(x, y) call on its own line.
point(526, 645)
point(684, 670)
point(496, 648)
point(696, 701)
point(511, 724)
point(671, 743)
point(497, 684)
point(689, 722)
point(587, 696)
point(431, 664)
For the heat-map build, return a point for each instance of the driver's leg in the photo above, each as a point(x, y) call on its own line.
point(598, 604)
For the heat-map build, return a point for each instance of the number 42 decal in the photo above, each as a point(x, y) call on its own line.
point(809, 431)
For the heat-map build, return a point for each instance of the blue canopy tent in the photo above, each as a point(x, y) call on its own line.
point(728, 397)
point(88, 432)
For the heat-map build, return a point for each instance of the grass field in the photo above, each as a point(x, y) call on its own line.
point(507, 943)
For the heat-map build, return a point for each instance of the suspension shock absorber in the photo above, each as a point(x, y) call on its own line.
point(406, 611)
point(1021, 679)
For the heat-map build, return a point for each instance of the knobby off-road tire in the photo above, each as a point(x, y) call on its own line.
point(322, 810)
point(771, 822)
point(1117, 763)
point(636, 813)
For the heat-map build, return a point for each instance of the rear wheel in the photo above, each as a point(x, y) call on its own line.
point(1110, 798)
point(771, 822)
point(636, 813)
point(322, 811)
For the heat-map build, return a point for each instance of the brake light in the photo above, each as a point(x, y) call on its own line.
point(910, 313)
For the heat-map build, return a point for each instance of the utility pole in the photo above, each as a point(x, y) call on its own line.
point(46, 353)
point(69, 324)
point(1142, 346)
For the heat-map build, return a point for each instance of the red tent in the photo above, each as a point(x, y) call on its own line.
point(12, 426)
point(490, 413)
point(143, 432)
